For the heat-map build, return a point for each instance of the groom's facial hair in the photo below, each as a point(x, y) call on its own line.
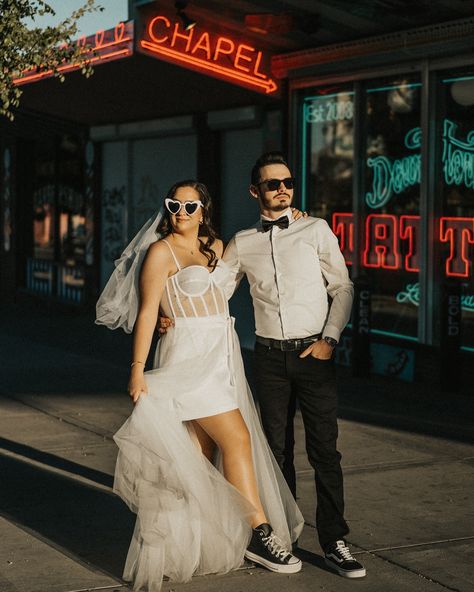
point(269, 203)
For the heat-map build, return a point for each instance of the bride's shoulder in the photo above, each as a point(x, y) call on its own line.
point(159, 251)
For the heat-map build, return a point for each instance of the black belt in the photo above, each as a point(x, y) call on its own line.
point(288, 344)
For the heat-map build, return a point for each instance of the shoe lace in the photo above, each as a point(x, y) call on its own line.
point(275, 546)
point(344, 551)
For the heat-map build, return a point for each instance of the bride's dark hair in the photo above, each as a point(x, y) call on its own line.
point(206, 229)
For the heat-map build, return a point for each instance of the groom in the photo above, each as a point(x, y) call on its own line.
point(302, 298)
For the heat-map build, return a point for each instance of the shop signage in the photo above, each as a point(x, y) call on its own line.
point(458, 157)
point(411, 294)
point(208, 52)
point(395, 175)
point(104, 46)
point(384, 234)
point(325, 109)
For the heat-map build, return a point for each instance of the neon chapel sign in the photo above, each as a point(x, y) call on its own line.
point(208, 52)
point(385, 233)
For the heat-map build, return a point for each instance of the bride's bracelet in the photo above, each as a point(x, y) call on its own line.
point(137, 362)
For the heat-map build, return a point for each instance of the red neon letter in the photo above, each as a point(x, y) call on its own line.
point(410, 230)
point(343, 228)
point(151, 27)
point(204, 43)
point(240, 56)
point(381, 236)
point(188, 37)
point(458, 232)
point(257, 64)
point(220, 49)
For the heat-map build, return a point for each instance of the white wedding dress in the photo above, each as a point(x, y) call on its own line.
point(190, 519)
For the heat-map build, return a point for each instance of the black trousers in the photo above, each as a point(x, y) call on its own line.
point(282, 378)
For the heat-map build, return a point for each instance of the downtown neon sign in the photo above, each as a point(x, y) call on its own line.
point(387, 236)
point(393, 176)
point(209, 53)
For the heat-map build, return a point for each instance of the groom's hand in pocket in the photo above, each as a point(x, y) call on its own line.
point(320, 349)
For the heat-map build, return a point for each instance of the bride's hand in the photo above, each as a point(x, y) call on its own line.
point(297, 214)
point(137, 385)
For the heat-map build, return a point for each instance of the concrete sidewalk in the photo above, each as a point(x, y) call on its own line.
point(408, 490)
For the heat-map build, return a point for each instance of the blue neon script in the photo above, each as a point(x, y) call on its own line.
point(458, 157)
point(394, 176)
point(411, 294)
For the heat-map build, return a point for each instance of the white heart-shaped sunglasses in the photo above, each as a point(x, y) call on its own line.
point(190, 207)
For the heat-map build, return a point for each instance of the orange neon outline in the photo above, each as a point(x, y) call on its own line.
point(99, 38)
point(159, 17)
point(381, 250)
point(239, 55)
point(447, 235)
point(188, 37)
point(201, 47)
point(33, 77)
point(338, 228)
point(269, 85)
point(119, 32)
point(218, 49)
point(406, 233)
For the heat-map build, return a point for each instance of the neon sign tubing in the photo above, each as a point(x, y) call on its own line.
point(33, 77)
point(269, 85)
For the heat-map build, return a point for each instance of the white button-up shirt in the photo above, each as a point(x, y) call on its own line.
point(291, 272)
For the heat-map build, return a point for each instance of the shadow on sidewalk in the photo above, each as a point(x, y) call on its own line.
point(81, 521)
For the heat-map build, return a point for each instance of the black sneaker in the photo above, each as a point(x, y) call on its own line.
point(266, 549)
point(339, 558)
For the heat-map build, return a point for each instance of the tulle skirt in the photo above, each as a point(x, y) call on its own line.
point(190, 519)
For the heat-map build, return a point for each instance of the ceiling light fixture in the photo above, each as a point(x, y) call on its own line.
point(188, 23)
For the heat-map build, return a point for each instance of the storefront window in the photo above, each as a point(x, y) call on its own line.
point(391, 199)
point(57, 263)
point(328, 153)
point(456, 178)
point(44, 203)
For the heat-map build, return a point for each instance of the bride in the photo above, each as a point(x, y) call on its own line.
point(193, 462)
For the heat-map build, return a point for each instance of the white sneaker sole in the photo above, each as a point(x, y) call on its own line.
point(355, 573)
point(276, 567)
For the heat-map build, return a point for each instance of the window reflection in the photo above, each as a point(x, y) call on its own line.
point(391, 201)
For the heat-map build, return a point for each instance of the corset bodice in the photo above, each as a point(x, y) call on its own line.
point(193, 291)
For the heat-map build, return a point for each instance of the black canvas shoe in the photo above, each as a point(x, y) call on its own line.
point(266, 549)
point(339, 558)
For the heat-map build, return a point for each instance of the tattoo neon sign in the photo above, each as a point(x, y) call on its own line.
point(385, 235)
point(102, 47)
point(207, 52)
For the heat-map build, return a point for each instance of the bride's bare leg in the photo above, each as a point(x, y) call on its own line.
point(208, 446)
point(230, 433)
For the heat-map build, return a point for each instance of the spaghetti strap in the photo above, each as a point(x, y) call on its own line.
point(172, 253)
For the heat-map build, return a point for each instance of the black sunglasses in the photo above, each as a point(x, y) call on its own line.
point(274, 184)
point(174, 206)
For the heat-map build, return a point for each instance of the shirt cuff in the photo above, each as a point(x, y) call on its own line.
point(331, 331)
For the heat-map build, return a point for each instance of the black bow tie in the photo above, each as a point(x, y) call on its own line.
point(282, 222)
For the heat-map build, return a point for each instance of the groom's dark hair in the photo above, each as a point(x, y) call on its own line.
point(264, 160)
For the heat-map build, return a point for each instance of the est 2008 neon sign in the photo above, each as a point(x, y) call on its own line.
point(207, 52)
